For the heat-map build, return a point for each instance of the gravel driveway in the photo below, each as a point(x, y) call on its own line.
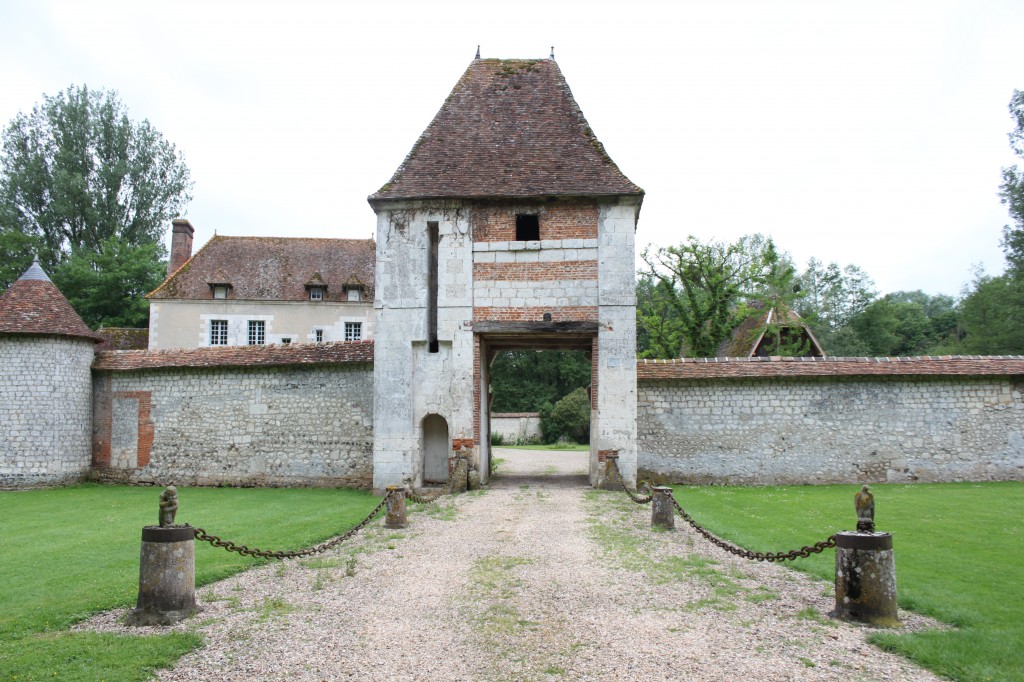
point(536, 578)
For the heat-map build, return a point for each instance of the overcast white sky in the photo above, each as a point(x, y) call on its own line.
point(870, 133)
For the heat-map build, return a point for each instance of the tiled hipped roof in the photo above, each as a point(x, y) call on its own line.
point(272, 269)
point(510, 128)
point(271, 355)
point(34, 305)
point(739, 368)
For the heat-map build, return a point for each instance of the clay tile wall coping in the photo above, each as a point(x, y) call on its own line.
point(740, 368)
point(270, 355)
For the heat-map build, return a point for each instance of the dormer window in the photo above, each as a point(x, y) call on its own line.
point(219, 289)
point(316, 286)
point(353, 288)
point(527, 227)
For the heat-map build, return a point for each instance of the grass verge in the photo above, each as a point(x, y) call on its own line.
point(959, 558)
point(71, 552)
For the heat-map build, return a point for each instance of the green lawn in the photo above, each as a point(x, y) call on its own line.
point(71, 552)
point(959, 558)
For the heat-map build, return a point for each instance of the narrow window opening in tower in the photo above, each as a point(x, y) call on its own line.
point(527, 227)
point(434, 237)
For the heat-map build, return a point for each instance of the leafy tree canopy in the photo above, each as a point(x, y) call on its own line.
point(691, 295)
point(1011, 192)
point(76, 173)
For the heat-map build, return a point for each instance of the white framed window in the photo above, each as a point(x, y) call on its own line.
point(220, 291)
point(353, 331)
point(316, 293)
point(286, 340)
point(257, 332)
point(318, 335)
point(218, 332)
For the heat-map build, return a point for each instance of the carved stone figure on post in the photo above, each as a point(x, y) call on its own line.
point(168, 506)
point(864, 501)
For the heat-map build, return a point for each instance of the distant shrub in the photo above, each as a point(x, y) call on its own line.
point(568, 419)
point(497, 438)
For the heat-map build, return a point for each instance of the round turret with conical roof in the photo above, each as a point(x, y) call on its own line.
point(46, 352)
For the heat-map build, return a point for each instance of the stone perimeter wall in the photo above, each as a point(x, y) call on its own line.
point(238, 426)
point(817, 429)
point(516, 426)
point(45, 410)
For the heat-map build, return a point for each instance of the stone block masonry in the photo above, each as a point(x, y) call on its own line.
point(837, 420)
point(44, 410)
point(243, 424)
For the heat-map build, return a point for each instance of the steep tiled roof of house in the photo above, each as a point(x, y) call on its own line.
point(740, 368)
point(272, 269)
point(510, 128)
point(34, 305)
point(238, 356)
point(747, 335)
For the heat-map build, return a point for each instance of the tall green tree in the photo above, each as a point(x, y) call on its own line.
point(692, 294)
point(76, 172)
point(992, 315)
point(107, 287)
point(833, 295)
point(1011, 192)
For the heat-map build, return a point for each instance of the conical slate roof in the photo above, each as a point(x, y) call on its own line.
point(510, 128)
point(34, 305)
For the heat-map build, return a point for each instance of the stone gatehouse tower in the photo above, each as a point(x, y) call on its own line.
point(507, 226)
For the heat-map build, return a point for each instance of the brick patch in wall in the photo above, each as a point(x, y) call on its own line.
point(558, 314)
point(463, 444)
point(536, 272)
point(556, 222)
point(603, 455)
point(103, 426)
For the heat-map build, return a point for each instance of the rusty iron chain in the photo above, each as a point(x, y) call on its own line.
point(645, 499)
point(792, 554)
point(229, 546)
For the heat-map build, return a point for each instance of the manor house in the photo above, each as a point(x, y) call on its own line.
point(507, 226)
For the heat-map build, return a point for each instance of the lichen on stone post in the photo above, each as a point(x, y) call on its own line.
point(167, 569)
point(866, 570)
point(662, 511)
point(395, 516)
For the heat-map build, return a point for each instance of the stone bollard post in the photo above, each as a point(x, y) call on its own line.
point(460, 478)
point(663, 514)
point(167, 576)
point(609, 479)
point(866, 578)
point(394, 516)
point(866, 569)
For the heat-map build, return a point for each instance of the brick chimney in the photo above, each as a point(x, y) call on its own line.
point(181, 244)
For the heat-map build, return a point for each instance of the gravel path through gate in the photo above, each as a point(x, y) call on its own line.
point(536, 578)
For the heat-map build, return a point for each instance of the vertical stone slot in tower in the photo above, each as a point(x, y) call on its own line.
point(434, 236)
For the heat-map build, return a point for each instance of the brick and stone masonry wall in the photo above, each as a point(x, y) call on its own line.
point(244, 425)
point(45, 410)
point(771, 428)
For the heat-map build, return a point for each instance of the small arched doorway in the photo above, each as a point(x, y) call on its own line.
point(436, 447)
